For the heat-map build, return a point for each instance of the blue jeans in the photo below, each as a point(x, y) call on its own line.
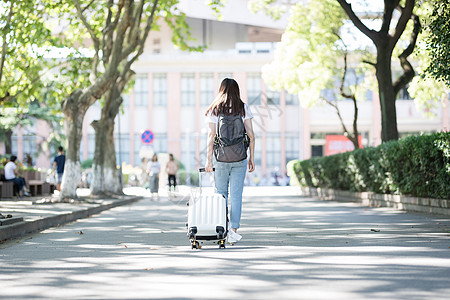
point(233, 175)
point(19, 181)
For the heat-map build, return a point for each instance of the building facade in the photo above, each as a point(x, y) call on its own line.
point(172, 90)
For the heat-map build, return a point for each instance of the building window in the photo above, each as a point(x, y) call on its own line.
point(28, 145)
point(273, 97)
point(91, 145)
point(188, 145)
point(292, 146)
point(254, 88)
point(273, 150)
point(159, 89)
point(81, 150)
point(160, 143)
point(141, 90)
point(291, 99)
point(203, 150)
point(125, 100)
point(316, 150)
point(188, 89)
point(258, 151)
point(206, 88)
point(122, 152)
point(224, 75)
point(137, 148)
point(328, 94)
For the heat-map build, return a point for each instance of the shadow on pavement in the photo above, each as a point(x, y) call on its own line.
point(292, 248)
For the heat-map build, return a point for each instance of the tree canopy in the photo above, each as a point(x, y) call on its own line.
point(438, 41)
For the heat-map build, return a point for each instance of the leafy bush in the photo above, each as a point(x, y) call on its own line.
point(417, 166)
point(185, 177)
point(86, 164)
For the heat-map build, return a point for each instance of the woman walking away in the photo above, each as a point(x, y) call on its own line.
point(171, 170)
point(153, 168)
point(230, 134)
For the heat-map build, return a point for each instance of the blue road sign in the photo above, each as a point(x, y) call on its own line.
point(147, 137)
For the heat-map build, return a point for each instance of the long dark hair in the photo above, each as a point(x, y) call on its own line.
point(228, 101)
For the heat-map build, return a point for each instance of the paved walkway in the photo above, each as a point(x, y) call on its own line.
point(292, 248)
point(30, 214)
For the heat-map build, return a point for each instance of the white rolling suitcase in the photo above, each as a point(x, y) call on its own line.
point(207, 217)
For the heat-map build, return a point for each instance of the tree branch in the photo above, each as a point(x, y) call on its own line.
point(406, 14)
point(353, 137)
point(111, 73)
point(369, 63)
point(329, 102)
point(341, 88)
point(389, 7)
point(106, 34)
point(143, 38)
point(87, 6)
point(94, 38)
point(408, 69)
point(133, 33)
point(356, 21)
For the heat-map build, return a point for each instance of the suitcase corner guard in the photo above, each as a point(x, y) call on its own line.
point(220, 232)
point(192, 232)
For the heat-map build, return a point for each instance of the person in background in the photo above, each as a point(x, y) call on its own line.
point(11, 174)
point(58, 166)
point(171, 170)
point(153, 168)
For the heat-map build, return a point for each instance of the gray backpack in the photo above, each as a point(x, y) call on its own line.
point(231, 141)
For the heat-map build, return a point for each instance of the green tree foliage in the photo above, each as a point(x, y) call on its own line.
point(428, 91)
point(28, 90)
point(23, 41)
point(313, 58)
point(393, 21)
point(438, 41)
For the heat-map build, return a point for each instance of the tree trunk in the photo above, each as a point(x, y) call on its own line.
point(113, 182)
point(387, 94)
point(97, 163)
point(74, 109)
point(106, 176)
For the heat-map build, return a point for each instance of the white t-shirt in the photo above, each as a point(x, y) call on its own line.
point(153, 167)
point(215, 119)
point(9, 170)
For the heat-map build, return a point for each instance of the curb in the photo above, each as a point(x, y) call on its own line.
point(401, 202)
point(21, 228)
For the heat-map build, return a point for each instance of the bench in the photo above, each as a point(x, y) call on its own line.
point(6, 189)
point(39, 188)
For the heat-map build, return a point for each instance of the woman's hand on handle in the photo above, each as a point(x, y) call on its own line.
point(251, 165)
point(209, 167)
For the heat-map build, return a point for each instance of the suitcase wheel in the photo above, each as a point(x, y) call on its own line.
point(195, 245)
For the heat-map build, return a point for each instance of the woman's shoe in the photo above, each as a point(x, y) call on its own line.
point(233, 237)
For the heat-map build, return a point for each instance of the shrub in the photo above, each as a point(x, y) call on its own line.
point(86, 164)
point(416, 166)
point(185, 177)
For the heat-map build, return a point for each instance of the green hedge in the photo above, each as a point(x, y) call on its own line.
point(417, 166)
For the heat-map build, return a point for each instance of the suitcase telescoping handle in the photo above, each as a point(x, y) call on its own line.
point(202, 170)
